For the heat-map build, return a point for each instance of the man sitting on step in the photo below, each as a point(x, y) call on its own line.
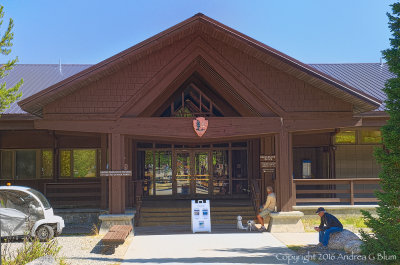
point(267, 208)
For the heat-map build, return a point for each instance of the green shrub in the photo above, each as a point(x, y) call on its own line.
point(30, 251)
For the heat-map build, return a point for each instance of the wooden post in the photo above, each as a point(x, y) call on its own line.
point(351, 192)
point(103, 166)
point(294, 191)
point(116, 184)
point(283, 142)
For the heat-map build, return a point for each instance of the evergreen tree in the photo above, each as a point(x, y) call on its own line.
point(7, 95)
point(385, 227)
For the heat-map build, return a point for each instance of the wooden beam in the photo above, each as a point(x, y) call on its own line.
point(16, 125)
point(181, 128)
point(320, 124)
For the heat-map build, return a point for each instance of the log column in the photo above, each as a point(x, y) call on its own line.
point(284, 171)
point(116, 184)
point(268, 177)
point(103, 166)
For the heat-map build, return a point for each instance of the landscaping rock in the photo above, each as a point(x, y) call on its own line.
point(353, 247)
point(46, 260)
point(340, 239)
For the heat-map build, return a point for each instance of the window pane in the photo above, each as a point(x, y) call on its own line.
point(163, 177)
point(183, 173)
point(65, 163)
point(6, 164)
point(346, 137)
point(47, 164)
point(25, 164)
point(239, 164)
point(201, 172)
point(371, 137)
point(84, 163)
point(220, 168)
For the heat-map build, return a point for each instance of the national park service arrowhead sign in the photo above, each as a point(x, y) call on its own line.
point(200, 125)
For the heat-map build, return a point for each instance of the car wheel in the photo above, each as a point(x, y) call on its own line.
point(44, 233)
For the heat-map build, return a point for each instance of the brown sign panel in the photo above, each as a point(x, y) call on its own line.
point(265, 158)
point(116, 173)
point(268, 164)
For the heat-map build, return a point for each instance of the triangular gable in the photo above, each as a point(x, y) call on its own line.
point(200, 24)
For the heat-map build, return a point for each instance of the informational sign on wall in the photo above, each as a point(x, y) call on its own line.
point(201, 216)
point(268, 163)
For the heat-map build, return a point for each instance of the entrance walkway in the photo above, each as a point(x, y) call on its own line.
point(226, 248)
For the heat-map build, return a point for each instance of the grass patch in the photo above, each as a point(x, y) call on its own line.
point(294, 248)
point(352, 223)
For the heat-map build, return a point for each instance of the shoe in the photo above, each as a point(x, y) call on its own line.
point(319, 244)
point(263, 229)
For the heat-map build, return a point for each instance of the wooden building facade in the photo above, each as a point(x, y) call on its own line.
point(267, 114)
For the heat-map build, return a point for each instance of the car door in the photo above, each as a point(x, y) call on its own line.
point(13, 220)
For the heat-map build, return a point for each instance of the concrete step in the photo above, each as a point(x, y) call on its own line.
point(172, 213)
point(188, 213)
point(186, 229)
point(187, 223)
point(185, 218)
point(188, 209)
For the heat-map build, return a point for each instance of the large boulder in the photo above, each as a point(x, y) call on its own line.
point(339, 240)
point(353, 247)
point(46, 260)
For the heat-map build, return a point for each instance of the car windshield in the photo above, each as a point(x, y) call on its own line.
point(41, 197)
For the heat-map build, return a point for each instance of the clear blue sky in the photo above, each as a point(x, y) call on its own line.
point(89, 31)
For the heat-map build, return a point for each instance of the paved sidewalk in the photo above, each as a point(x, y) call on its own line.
point(229, 248)
point(297, 239)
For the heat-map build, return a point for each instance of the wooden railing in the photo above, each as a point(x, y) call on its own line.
point(255, 194)
point(136, 187)
point(333, 190)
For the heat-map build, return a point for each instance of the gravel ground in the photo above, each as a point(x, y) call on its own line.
point(81, 250)
point(330, 256)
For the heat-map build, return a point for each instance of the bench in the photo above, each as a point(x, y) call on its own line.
point(286, 222)
point(115, 236)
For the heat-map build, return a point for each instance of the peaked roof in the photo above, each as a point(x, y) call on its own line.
point(367, 77)
point(361, 100)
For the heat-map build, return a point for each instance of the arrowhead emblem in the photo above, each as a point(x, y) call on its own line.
point(200, 125)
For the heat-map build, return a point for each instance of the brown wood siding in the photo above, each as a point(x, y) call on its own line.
point(290, 93)
point(311, 140)
point(26, 139)
point(108, 94)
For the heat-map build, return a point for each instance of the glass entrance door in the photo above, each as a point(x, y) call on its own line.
point(163, 173)
point(201, 177)
point(183, 173)
point(192, 173)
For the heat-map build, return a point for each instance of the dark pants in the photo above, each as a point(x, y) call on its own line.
point(324, 235)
